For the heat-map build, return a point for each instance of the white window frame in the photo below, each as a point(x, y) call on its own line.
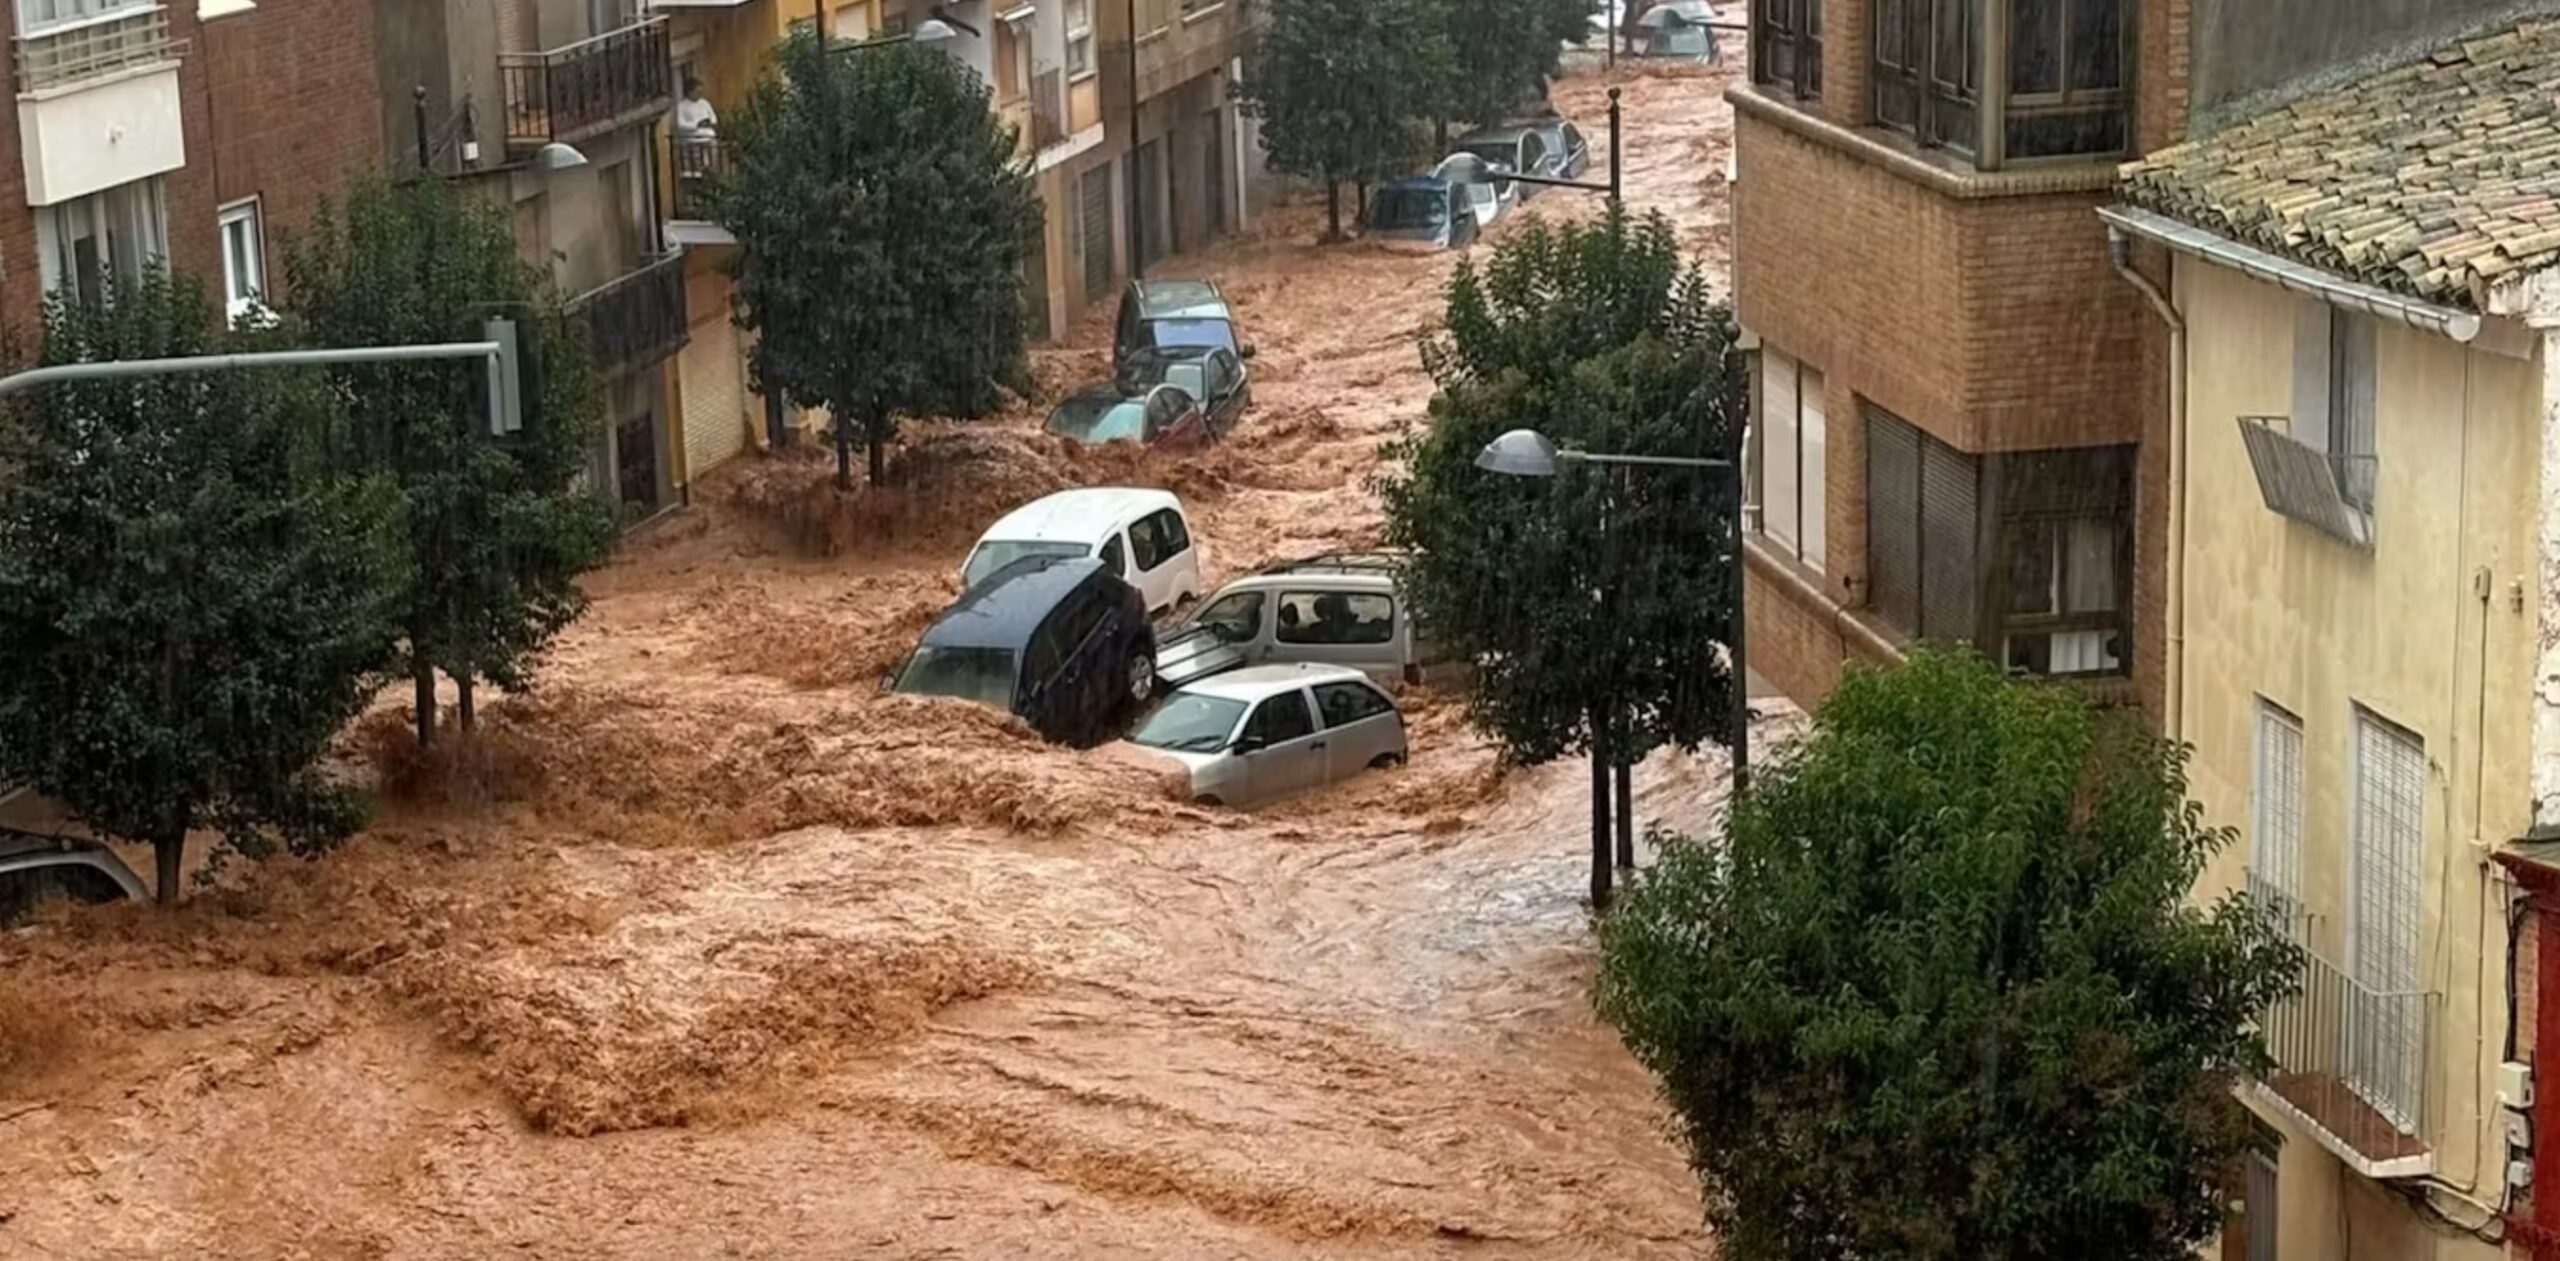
point(79, 13)
point(2387, 912)
point(1080, 40)
point(1793, 449)
point(2275, 808)
point(243, 300)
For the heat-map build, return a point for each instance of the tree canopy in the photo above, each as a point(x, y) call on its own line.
point(1502, 54)
point(498, 530)
point(883, 225)
point(1341, 87)
point(194, 594)
point(1940, 993)
point(1598, 337)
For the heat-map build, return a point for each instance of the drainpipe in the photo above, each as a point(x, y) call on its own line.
point(2173, 690)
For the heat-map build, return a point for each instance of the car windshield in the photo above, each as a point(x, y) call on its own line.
point(1408, 208)
point(1100, 419)
point(1191, 333)
point(1189, 722)
point(995, 554)
point(984, 675)
point(1184, 368)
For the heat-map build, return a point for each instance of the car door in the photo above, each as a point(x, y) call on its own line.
point(1361, 726)
point(1147, 569)
point(1577, 153)
point(1224, 377)
point(1337, 625)
point(1088, 680)
point(1175, 567)
point(1174, 421)
point(1283, 749)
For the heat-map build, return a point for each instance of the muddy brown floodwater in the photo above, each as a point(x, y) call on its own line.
point(707, 949)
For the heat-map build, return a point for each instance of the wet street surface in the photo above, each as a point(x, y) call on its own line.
point(706, 948)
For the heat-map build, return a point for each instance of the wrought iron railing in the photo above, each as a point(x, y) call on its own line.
point(594, 85)
point(2351, 1058)
point(638, 319)
point(86, 49)
point(697, 160)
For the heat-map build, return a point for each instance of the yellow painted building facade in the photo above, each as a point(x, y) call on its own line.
point(2313, 668)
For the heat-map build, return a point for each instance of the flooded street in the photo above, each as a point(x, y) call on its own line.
point(706, 948)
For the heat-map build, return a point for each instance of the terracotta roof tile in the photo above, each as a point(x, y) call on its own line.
point(2432, 179)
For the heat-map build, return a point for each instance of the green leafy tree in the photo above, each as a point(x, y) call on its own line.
point(194, 597)
point(1598, 337)
point(1503, 53)
point(1941, 995)
point(499, 529)
point(1340, 87)
point(883, 224)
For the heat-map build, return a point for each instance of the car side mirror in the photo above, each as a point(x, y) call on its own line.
point(1249, 744)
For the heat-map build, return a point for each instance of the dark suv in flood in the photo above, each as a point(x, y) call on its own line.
point(1058, 640)
point(1157, 313)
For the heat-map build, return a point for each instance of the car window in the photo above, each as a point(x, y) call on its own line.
point(1117, 559)
point(1076, 619)
point(1146, 543)
point(1234, 618)
point(1190, 332)
point(1220, 374)
point(1572, 137)
point(1532, 151)
point(1336, 617)
point(1177, 535)
point(975, 674)
point(995, 554)
point(1165, 409)
point(1348, 702)
point(1190, 722)
point(1281, 719)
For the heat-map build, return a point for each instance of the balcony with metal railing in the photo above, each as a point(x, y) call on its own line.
point(2352, 1061)
point(595, 85)
point(82, 80)
point(2330, 491)
point(636, 319)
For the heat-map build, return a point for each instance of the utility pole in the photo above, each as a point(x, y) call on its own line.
point(1137, 190)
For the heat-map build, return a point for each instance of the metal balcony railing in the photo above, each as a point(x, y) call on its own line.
point(637, 319)
point(2330, 492)
point(2352, 1060)
point(69, 52)
point(595, 85)
point(1048, 109)
point(696, 161)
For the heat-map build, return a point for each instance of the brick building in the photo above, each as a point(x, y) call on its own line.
point(196, 132)
point(1950, 384)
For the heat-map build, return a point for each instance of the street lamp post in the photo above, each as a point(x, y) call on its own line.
point(1528, 453)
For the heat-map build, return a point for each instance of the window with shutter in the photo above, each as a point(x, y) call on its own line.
point(1813, 467)
point(1950, 529)
point(1893, 519)
point(1779, 443)
point(2389, 833)
point(2275, 844)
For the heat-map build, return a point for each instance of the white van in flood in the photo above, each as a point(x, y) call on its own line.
point(1142, 536)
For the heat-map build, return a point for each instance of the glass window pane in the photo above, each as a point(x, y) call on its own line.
point(2090, 566)
point(2097, 44)
point(1889, 31)
point(1948, 59)
point(2032, 576)
point(2035, 47)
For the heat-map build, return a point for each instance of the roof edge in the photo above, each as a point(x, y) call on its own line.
point(2186, 238)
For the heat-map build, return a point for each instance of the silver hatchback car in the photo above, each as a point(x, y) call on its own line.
point(1267, 732)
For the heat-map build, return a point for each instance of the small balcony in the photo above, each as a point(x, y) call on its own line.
point(596, 85)
point(2352, 1062)
point(693, 162)
point(1048, 109)
point(98, 102)
point(2329, 491)
point(636, 320)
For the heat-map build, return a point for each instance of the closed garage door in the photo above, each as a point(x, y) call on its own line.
point(1095, 201)
point(715, 397)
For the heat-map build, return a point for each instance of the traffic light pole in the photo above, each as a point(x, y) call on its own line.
point(499, 353)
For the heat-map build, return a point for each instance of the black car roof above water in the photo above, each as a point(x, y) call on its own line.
point(1003, 610)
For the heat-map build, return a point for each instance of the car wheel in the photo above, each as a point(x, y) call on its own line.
point(1142, 677)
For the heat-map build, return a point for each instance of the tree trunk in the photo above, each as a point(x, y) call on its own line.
point(422, 673)
point(1626, 777)
point(1360, 205)
point(1599, 808)
point(168, 855)
point(462, 713)
point(1332, 211)
point(844, 451)
point(878, 442)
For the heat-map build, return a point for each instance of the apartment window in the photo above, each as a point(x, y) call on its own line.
point(1793, 457)
point(1079, 38)
point(244, 258)
point(2334, 376)
point(2389, 824)
point(1787, 38)
point(2026, 555)
point(1013, 61)
point(115, 233)
point(2275, 809)
point(2258, 1193)
point(2063, 92)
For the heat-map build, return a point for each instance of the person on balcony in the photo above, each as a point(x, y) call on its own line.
point(696, 121)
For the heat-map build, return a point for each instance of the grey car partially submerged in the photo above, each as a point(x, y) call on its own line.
point(1421, 209)
point(36, 869)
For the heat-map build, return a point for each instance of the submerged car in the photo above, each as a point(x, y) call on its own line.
point(1487, 193)
point(37, 869)
point(1568, 153)
point(1422, 208)
point(1173, 313)
point(1679, 29)
point(1214, 378)
point(1158, 415)
point(1341, 609)
point(1265, 733)
point(1514, 147)
point(1058, 641)
point(1142, 536)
